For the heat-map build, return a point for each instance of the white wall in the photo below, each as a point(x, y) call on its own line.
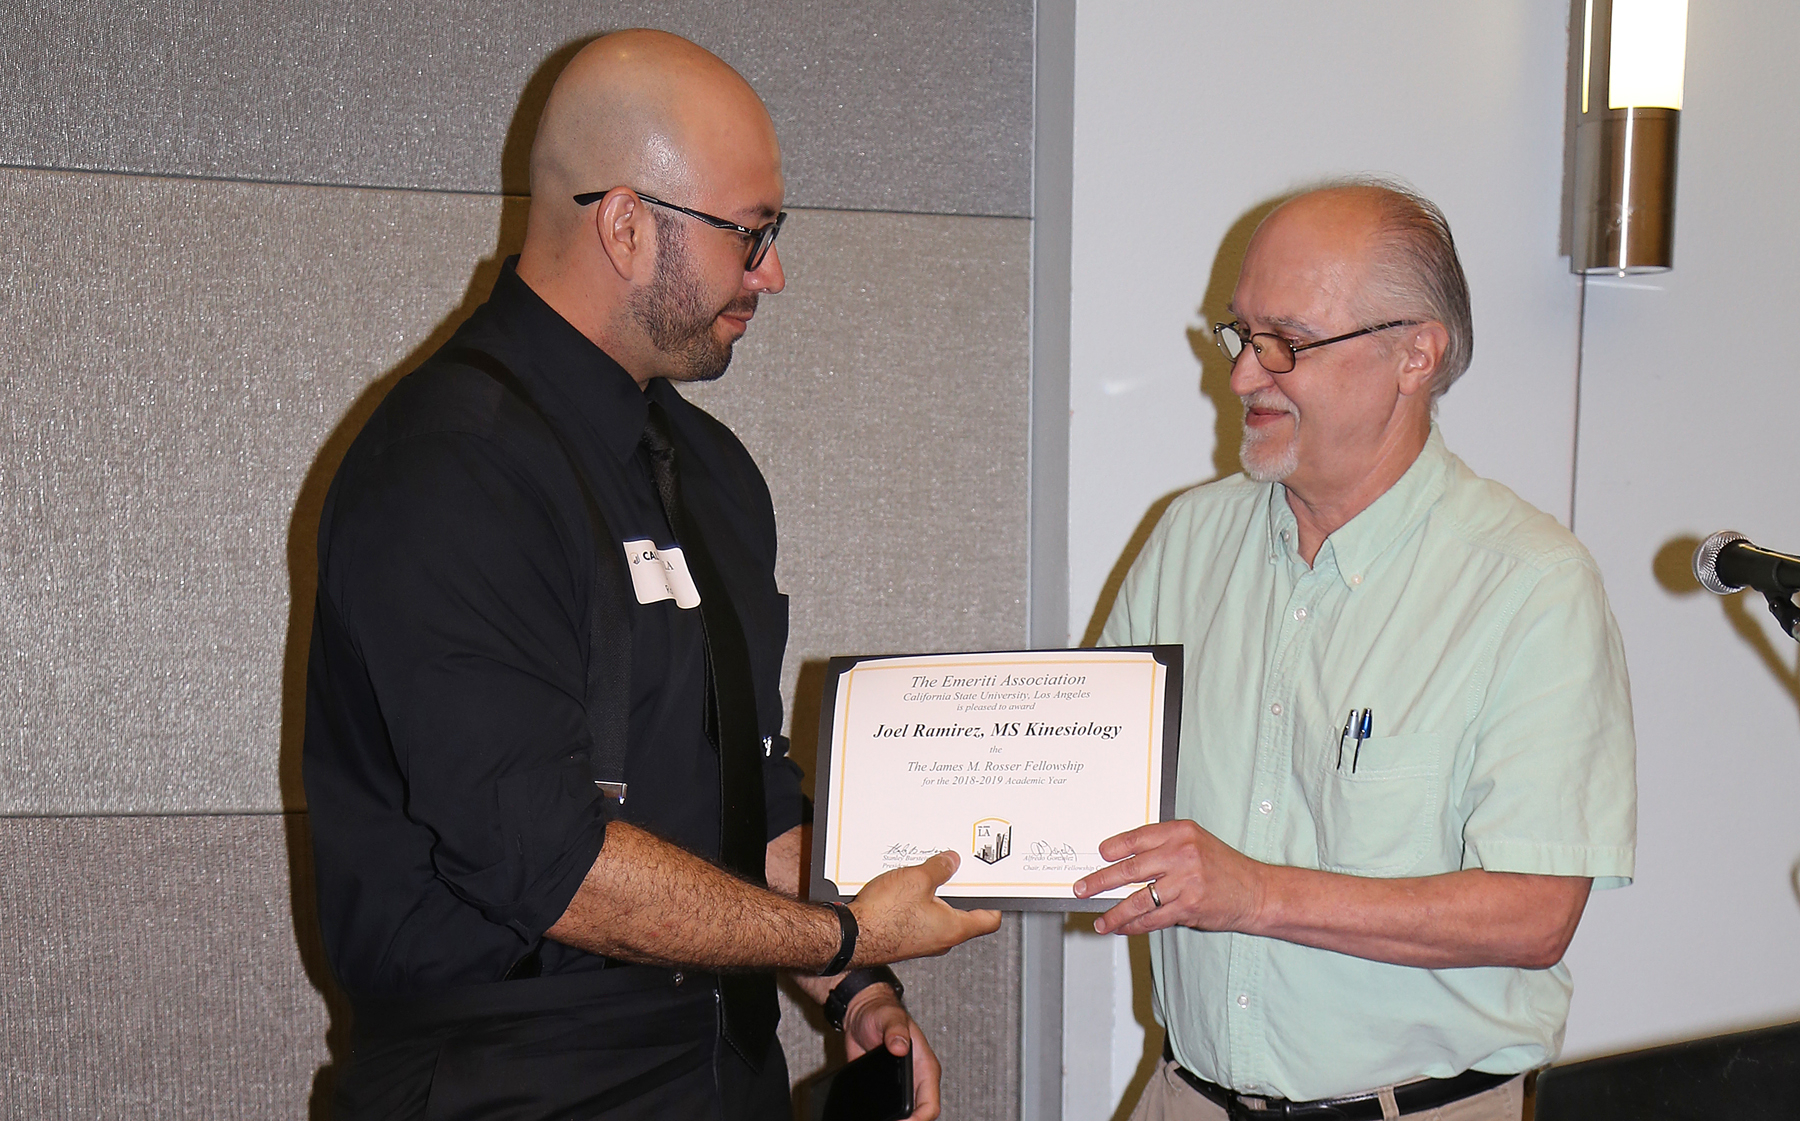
point(1688, 424)
point(1188, 116)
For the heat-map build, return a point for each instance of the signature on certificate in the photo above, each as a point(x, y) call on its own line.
point(901, 854)
point(1059, 857)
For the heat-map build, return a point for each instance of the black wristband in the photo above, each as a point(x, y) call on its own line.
point(846, 940)
point(838, 1003)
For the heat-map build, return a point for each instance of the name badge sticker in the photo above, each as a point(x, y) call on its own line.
point(659, 574)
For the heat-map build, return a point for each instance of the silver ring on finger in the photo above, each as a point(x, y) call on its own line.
point(1154, 898)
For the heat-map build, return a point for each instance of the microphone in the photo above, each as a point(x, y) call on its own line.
point(1727, 562)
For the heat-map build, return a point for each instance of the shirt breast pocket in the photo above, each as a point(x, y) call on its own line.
point(1378, 819)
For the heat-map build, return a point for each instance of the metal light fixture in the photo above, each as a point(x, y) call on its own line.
point(1633, 53)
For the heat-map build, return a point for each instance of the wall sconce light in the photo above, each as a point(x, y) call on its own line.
point(1632, 56)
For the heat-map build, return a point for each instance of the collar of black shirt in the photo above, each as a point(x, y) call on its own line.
point(563, 369)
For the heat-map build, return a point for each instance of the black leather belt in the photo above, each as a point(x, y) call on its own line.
point(1413, 1097)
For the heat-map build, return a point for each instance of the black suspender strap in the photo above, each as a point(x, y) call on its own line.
point(609, 614)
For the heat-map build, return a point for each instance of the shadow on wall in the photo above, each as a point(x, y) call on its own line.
point(302, 561)
point(1674, 571)
point(1673, 567)
point(1143, 1013)
point(1215, 384)
point(803, 728)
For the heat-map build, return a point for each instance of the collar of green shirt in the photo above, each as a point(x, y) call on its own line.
point(1357, 543)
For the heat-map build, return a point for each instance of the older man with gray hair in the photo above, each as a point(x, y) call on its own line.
point(1407, 752)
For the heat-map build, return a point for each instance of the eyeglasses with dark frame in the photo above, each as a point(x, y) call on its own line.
point(760, 239)
point(1276, 354)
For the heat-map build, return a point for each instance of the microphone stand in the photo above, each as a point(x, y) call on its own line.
point(1782, 607)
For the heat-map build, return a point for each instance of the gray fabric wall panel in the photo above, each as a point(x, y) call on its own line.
point(917, 105)
point(152, 969)
point(173, 357)
point(173, 417)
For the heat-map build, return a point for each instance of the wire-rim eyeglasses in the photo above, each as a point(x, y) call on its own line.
point(1276, 354)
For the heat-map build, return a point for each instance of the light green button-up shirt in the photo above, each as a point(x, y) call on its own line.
point(1476, 631)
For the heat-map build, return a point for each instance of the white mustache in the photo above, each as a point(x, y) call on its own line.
point(1270, 400)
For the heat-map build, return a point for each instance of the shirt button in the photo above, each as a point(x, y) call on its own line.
point(1300, 613)
point(1267, 807)
point(1356, 579)
point(1275, 708)
point(678, 978)
point(1243, 1001)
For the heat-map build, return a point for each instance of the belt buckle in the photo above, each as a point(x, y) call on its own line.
point(1237, 1110)
point(1263, 1110)
point(1285, 1110)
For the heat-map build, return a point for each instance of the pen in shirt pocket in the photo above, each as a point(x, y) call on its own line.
point(1364, 728)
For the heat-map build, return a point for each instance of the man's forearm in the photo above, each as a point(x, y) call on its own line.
point(646, 900)
point(1468, 918)
point(649, 901)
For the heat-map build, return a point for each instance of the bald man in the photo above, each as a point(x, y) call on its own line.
point(1407, 751)
point(556, 832)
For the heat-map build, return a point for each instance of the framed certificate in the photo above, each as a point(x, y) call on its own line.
point(1022, 762)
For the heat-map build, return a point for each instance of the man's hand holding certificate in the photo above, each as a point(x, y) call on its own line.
point(1022, 763)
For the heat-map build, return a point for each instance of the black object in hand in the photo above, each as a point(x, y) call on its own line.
point(877, 1086)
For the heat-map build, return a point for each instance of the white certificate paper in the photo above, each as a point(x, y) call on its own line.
point(1021, 762)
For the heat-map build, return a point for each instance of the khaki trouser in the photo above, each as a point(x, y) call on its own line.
point(1168, 1098)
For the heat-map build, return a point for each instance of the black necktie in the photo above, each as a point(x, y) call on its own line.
point(747, 999)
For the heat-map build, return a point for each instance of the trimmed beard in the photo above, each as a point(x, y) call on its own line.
point(1262, 463)
point(673, 311)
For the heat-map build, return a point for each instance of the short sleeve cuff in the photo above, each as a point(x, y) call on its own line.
point(1609, 866)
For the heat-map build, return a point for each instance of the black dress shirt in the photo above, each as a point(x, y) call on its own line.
point(450, 640)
